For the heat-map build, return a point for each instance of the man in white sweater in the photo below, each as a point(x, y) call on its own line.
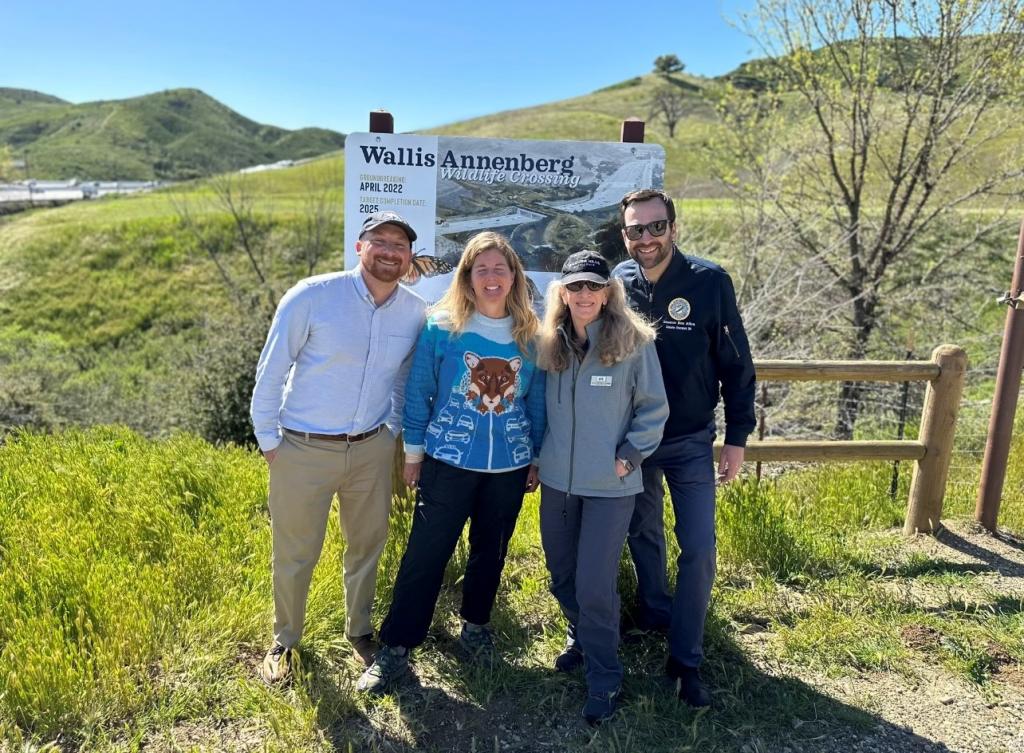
point(326, 408)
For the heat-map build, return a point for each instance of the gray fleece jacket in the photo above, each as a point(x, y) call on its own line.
point(598, 413)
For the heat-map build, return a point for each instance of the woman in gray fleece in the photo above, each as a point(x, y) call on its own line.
point(606, 409)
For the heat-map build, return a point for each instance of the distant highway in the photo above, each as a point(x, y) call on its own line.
point(629, 177)
point(46, 193)
point(511, 216)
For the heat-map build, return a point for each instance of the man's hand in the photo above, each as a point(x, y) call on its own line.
point(411, 473)
point(620, 469)
point(269, 455)
point(729, 463)
point(532, 479)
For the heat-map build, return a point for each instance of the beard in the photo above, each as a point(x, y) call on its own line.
point(385, 272)
point(649, 261)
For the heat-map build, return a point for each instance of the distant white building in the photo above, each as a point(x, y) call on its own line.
point(51, 192)
point(280, 165)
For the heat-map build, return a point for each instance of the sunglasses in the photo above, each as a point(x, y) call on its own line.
point(576, 287)
point(656, 229)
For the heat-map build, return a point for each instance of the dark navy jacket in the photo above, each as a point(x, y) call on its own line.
point(701, 344)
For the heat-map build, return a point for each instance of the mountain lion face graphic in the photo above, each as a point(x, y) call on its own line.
point(492, 382)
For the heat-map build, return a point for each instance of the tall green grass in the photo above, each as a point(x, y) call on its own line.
point(117, 553)
point(135, 603)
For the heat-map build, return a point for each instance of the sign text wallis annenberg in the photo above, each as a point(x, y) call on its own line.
point(550, 198)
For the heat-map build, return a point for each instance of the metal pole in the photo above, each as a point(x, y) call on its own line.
point(1004, 402)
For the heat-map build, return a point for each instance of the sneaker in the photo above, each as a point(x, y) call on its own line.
point(364, 647)
point(600, 707)
point(689, 686)
point(477, 642)
point(390, 663)
point(277, 664)
point(570, 659)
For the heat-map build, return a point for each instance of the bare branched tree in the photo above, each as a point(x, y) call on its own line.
point(668, 103)
point(882, 125)
point(318, 231)
point(223, 220)
point(227, 229)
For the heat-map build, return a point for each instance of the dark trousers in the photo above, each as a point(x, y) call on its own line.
point(583, 538)
point(447, 497)
point(687, 464)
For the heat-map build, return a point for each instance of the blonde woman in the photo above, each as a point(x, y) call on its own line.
point(606, 410)
point(473, 419)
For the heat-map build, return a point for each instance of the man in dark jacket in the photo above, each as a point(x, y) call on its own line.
point(703, 352)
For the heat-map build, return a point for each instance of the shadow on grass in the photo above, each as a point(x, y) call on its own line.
point(921, 567)
point(521, 706)
point(1010, 540)
point(997, 562)
point(1003, 606)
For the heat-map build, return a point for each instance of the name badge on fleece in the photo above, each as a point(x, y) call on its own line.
point(600, 381)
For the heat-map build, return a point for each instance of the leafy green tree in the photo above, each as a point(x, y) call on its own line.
point(666, 64)
point(868, 142)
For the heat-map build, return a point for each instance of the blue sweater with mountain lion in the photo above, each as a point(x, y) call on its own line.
point(473, 399)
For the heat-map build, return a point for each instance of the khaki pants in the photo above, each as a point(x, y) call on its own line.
point(304, 476)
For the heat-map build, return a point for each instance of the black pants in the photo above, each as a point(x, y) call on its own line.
point(447, 497)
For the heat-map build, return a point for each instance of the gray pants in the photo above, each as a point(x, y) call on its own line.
point(583, 539)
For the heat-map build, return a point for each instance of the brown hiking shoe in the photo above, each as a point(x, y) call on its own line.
point(277, 665)
point(363, 648)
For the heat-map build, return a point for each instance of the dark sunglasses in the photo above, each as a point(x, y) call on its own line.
point(576, 287)
point(656, 229)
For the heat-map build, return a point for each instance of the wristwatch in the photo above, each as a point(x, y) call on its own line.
point(626, 464)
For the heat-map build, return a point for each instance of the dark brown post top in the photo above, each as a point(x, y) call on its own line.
point(382, 121)
point(632, 131)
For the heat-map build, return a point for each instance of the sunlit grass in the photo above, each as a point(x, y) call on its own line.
point(135, 603)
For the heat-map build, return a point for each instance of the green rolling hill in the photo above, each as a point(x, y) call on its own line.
point(175, 135)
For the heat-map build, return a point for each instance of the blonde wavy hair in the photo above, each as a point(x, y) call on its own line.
point(459, 301)
point(623, 331)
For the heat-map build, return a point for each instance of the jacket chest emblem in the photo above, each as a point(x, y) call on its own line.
point(679, 309)
point(598, 380)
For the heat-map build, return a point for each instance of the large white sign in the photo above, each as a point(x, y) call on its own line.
point(549, 198)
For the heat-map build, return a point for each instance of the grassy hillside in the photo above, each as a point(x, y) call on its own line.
point(598, 116)
point(175, 134)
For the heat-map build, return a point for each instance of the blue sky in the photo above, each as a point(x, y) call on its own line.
point(308, 63)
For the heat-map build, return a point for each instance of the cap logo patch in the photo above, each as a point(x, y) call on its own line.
point(679, 309)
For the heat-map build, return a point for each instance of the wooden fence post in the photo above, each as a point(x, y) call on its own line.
point(632, 131)
point(381, 121)
point(941, 405)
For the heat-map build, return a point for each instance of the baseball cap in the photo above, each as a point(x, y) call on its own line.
point(585, 265)
point(387, 218)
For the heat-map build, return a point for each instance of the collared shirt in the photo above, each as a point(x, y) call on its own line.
point(335, 362)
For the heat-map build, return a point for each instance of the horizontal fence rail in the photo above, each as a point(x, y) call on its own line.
point(846, 371)
point(932, 452)
point(807, 451)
